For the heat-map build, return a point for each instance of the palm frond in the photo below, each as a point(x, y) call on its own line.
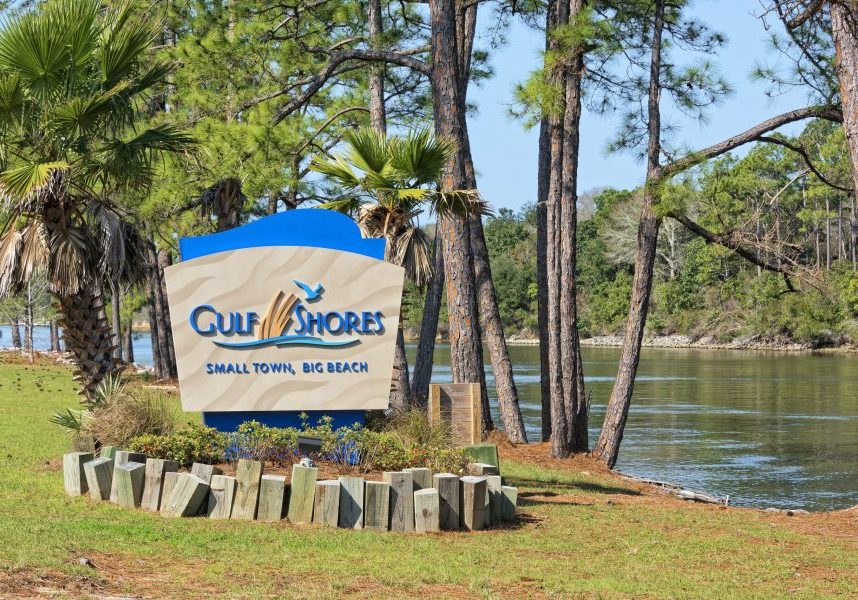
point(10, 272)
point(81, 115)
point(11, 99)
point(34, 253)
point(337, 169)
point(368, 150)
point(69, 268)
point(123, 253)
point(123, 43)
point(412, 252)
point(421, 156)
point(460, 202)
point(69, 420)
point(19, 182)
point(129, 162)
point(348, 205)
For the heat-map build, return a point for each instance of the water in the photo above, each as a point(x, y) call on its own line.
point(767, 429)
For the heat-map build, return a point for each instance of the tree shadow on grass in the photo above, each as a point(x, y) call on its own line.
point(579, 486)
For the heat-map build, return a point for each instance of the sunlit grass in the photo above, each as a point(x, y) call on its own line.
point(582, 534)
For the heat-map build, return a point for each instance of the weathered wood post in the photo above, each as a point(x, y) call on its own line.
point(495, 512)
point(510, 499)
point(99, 476)
point(74, 476)
point(170, 481)
point(302, 494)
point(128, 482)
point(426, 510)
point(123, 456)
point(221, 497)
point(248, 477)
point(326, 511)
point(401, 500)
point(351, 502)
point(154, 485)
point(205, 472)
point(272, 496)
point(422, 477)
point(107, 452)
point(482, 469)
point(376, 506)
point(187, 496)
point(473, 502)
point(447, 485)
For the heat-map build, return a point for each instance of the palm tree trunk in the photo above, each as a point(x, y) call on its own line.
point(608, 445)
point(428, 327)
point(89, 338)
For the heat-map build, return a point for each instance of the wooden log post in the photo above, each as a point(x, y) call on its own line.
point(154, 485)
point(483, 469)
point(107, 452)
point(427, 510)
point(221, 497)
point(99, 476)
point(376, 506)
point(447, 485)
point(188, 494)
point(272, 496)
point(74, 476)
point(473, 502)
point(170, 480)
point(495, 493)
point(248, 476)
point(510, 499)
point(422, 477)
point(302, 494)
point(205, 472)
point(401, 500)
point(326, 511)
point(124, 456)
point(128, 480)
point(351, 502)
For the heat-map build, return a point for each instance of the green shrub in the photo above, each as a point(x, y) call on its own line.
point(192, 443)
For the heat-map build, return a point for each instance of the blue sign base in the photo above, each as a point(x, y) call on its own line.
point(229, 421)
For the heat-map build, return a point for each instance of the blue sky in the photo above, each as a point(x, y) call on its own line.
point(505, 153)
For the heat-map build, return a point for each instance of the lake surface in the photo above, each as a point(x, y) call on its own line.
point(767, 429)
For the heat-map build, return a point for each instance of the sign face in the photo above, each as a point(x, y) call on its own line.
point(284, 328)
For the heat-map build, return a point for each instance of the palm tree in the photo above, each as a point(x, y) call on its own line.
point(75, 78)
point(388, 182)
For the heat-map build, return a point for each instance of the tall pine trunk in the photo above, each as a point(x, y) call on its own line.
point(115, 319)
point(466, 353)
point(844, 31)
point(162, 370)
point(165, 259)
point(55, 335)
point(429, 326)
point(608, 445)
point(129, 341)
point(15, 326)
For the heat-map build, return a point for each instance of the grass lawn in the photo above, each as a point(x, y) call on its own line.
point(583, 533)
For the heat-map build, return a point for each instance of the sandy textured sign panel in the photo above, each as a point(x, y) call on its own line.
point(273, 365)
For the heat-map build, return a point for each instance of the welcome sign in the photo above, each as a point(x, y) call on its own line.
point(293, 312)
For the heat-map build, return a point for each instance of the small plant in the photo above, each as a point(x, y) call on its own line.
point(128, 412)
point(71, 421)
point(192, 443)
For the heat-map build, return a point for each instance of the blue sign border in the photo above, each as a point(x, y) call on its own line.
point(313, 227)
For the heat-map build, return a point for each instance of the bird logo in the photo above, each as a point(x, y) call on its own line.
point(311, 294)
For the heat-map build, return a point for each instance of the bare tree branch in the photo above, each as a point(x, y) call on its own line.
point(829, 112)
point(803, 153)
